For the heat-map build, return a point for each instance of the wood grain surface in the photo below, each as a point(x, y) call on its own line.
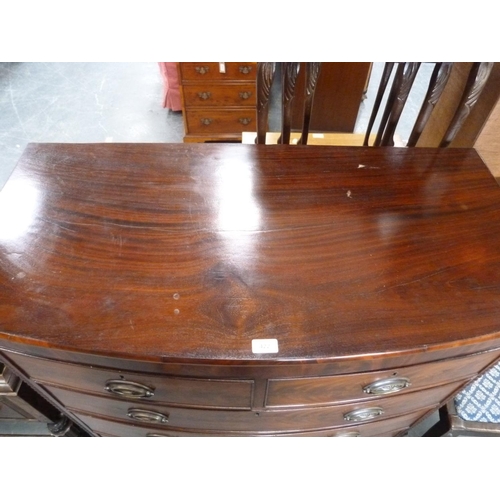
point(190, 251)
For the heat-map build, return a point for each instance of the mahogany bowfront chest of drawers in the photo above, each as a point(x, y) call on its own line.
point(231, 290)
point(218, 100)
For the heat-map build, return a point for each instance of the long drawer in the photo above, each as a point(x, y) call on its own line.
point(385, 427)
point(214, 393)
point(313, 391)
point(294, 420)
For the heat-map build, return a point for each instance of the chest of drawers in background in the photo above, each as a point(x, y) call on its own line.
point(218, 100)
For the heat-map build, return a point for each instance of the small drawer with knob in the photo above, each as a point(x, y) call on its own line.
point(213, 121)
point(219, 95)
point(209, 71)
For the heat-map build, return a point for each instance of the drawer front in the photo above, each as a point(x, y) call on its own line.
point(313, 391)
point(211, 71)
point(387, 427)
point(219, 95)
point(133, 386)
point(297, 420)
point(209, 121)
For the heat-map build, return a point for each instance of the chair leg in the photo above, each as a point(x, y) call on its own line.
point(442, 427)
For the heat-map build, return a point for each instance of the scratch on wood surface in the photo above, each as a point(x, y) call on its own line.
point(415, 280)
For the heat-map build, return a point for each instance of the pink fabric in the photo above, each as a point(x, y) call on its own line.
point(171, 91)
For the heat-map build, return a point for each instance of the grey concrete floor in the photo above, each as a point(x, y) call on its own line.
point(81, 102)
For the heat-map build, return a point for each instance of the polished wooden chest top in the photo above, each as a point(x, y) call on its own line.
point(161, 263)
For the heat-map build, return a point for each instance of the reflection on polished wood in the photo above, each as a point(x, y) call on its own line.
point(169, 259)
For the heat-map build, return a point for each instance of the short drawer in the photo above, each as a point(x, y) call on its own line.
point(386, 427)
point(365, 386)
point(205, 71)
point(214, 120)
point(219, 95)
point(217, 393)
point(268, 421)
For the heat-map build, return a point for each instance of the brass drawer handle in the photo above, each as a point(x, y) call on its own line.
point(345, 434)
point(363, 414)
point(206, 121)
point(245, 69)
point(387, 386)
point(202, 70)
point(245, 121)
point(245, 95)
point(128, 389)
point(152, 417)
point(204, 95)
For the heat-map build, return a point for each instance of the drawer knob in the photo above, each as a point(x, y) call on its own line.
point(152, 417)
point(387, 386)
point(127, 389)
point(245, 95)
point(206, 121)
point(363, 414)
point(202, 70)
point(204, 95)
point(245, 121)
point(245, 69)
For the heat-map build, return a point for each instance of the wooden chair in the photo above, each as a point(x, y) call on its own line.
point(397, 95)
point(290, 71)
point(402, 83)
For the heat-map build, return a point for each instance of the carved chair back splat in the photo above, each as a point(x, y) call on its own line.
point(402, 84)
point(289, 74)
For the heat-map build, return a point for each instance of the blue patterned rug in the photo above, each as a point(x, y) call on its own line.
point(480, 401)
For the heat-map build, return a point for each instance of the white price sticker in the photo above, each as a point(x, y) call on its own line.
point(264, 346)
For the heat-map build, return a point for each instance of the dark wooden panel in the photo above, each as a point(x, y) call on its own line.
point(337, 99)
